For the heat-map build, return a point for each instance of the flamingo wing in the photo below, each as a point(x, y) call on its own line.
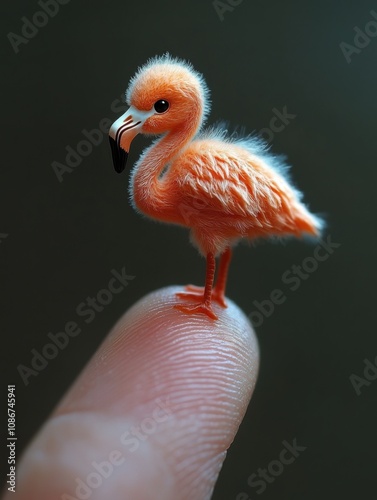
point(226, 177)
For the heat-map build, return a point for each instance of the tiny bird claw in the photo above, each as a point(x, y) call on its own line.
point(219, 298)
point(197, 308)
point(198, 296)
point(195, 288)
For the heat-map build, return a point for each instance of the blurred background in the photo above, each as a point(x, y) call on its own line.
point(65, 227)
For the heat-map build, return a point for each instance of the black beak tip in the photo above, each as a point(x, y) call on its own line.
point(119, 156)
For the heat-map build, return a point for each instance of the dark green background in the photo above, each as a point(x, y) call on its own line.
point(65, 238)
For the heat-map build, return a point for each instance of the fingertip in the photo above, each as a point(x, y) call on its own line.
point(164, 387)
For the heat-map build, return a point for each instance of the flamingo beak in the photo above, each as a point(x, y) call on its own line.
point(121, 133)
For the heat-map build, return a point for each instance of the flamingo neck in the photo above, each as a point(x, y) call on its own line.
point(148, 188)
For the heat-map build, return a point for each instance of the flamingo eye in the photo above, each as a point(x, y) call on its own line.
point(161, 106)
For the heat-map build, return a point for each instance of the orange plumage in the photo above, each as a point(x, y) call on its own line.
point(223, 187)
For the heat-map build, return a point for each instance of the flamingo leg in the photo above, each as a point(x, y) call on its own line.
point(204, 306)
point(218, 292)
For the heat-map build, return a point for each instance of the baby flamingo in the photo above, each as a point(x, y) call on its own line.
point(223, 187)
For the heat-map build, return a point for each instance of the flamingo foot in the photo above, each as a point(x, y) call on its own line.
point(197, 293)
point(194, 288)
point(202, 308)
point(219, 298)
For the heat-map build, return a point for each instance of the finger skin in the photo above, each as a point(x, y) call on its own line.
point(152, 414)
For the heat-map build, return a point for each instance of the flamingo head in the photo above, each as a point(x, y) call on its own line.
point(165, 95)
